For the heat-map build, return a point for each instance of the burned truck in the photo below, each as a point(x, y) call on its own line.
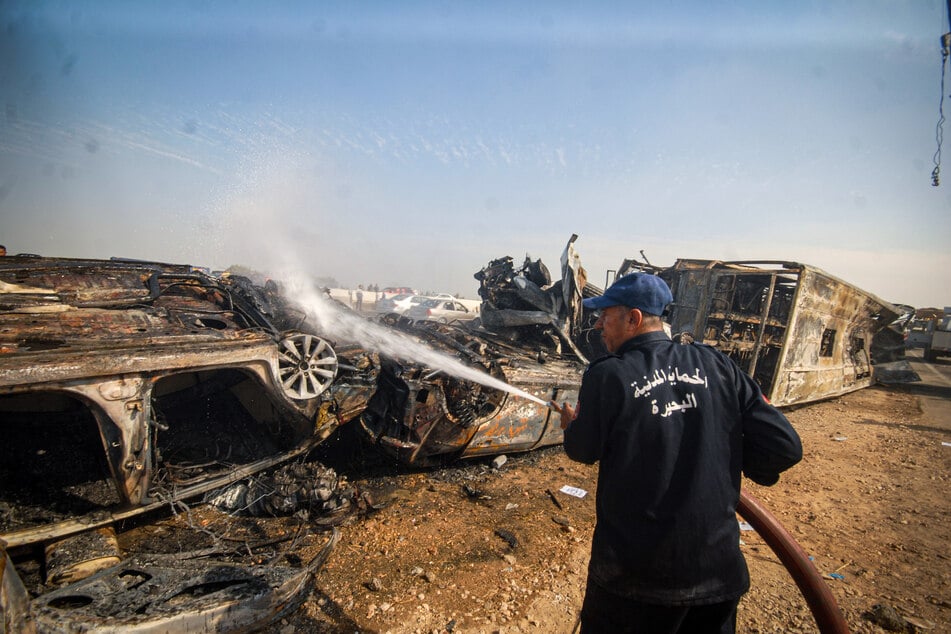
point(127, 385)
point(801, 333)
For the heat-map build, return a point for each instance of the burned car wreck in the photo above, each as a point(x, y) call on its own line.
point(128, 387)
point(425, 416)
point(178, 592)
point(532, 334)
point(126, 384)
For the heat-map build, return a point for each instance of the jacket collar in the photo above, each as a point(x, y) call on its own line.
point(640, 340)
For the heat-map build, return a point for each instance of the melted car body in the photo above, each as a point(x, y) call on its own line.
point(532, 335)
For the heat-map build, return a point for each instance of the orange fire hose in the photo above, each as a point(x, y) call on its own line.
point(824, 608)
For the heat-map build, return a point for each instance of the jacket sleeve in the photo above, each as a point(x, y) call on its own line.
point(770, 444)
point(599, 401)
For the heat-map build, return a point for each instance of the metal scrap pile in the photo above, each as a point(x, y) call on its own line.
point(128, 387)
point(526, 307)
point(308, 490)
point(520, 297)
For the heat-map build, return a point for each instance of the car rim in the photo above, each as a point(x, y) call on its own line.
point(307, 364)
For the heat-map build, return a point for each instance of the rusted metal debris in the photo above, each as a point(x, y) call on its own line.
point(129, 386)
point(890, 366)
point(525, 306)
point(308, 490)
point(532, 334)
point(423, 416)
point(125, 351)
point(164, 593)
point(79, 556)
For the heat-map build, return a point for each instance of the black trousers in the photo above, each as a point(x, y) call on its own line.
point(605, 612)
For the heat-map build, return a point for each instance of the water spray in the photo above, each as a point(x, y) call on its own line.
point(353, 328)
point(271, 188)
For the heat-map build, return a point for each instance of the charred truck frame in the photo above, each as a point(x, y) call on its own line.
point(801, 333)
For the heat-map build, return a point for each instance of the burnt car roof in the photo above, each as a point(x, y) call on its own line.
point(73, 305)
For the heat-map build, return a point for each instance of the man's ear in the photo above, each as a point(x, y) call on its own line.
point(635, 317)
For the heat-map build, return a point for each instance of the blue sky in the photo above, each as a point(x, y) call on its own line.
point(411, 143)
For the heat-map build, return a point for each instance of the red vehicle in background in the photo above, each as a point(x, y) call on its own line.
point(390, 291)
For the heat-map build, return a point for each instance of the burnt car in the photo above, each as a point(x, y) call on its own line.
point(423, 415)
point(529, 346)
point(127, 385)
point(162, 592)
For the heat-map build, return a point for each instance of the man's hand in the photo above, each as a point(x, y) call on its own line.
point(566, 411)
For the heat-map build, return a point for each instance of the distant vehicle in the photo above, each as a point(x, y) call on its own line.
point(932, 335)
point(472, 305)
point(390, 291)
point(918, 334)
point(399, 304)
point(442, 310)
point(940, 340)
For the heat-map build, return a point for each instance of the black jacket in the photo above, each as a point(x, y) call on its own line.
point(673, 426)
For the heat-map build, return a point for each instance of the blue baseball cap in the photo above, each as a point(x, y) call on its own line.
point(647, 292)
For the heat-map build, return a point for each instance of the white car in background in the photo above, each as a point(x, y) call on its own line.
point(442, 310)
point(399, 304)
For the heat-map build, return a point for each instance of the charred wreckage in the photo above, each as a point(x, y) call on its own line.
point(128, 387)
point(801, 333)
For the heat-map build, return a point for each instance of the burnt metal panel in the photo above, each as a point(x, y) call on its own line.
point(831, 337)
point(521, 424)
point(152, 593)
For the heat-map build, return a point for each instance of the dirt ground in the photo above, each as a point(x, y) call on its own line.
point(471, 548)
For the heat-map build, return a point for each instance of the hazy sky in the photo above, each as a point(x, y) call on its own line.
point(410, 143)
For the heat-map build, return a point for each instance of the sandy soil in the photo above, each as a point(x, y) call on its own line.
point(472, 549)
